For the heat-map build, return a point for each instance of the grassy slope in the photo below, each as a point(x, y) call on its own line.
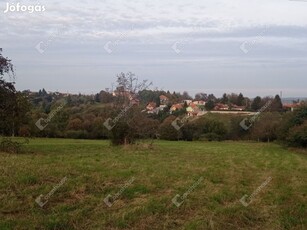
point(94, 169)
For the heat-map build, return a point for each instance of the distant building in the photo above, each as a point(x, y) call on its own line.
point(188, 102)
point(292, 107)
point(193, 110)
point(163, 100)
point(176, 107)
point(151, 106)
point(238, 108)
point(121, 92)
point(199, 102)
point(220, 106)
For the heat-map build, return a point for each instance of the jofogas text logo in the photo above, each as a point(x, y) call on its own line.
point(18, 7)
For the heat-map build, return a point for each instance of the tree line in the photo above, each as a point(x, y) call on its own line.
point(87, 116)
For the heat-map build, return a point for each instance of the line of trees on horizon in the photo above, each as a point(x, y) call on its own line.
point(84, 116)
point(147, 96)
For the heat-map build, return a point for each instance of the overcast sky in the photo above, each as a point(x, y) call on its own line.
point(257, 47)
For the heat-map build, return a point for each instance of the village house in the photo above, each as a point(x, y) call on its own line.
point(237, 108)
point(151, 106)
point(192, 110)
point(176, 107)
point(188, 102)
point(291, 107)
point(163, 100)
point(199, 102)
point(220, 106)
point(162, 106)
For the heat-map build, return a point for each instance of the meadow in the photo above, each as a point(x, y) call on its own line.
point(210, 178)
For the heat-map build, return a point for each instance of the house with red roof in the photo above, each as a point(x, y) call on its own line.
point(193, 110)
point(176, 107)
point(163, 100)
point(292, 107)
point(151, 106)
point(220, 106)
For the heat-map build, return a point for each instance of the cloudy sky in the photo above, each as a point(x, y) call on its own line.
point(257, 47)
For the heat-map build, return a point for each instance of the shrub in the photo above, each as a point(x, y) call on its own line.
point(192, 131)
point(292, 131)
point(204, 128)
point(167, 130)
point(214, 129)
point(236, 132)
point(266, 127)
point(9, 146)
point(298, 135)
point(24, 131)
point(75, 124)
point(122, 134)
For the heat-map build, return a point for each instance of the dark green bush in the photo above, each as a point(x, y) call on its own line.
point(168, 132)
point(298, 135)
point(122, 134)
point(293, 129)
point(9, 146)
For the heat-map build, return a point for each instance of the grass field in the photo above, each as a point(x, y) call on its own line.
point(210, 178)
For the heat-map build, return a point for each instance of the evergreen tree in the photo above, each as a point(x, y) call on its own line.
point(256, 104)
point(97, 99)
point(209, 105)
point(240, 100)
point(276, 104)
point(224, 99)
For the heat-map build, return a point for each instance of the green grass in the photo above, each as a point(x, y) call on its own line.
point(94, 169)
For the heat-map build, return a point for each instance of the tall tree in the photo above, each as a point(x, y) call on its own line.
point(276, 104)
point(201, 97)
point(256, 104)
point(224, 99)
point(186, 96)
point(240, 100)
point(209, 105)
point(5, 65)
point(105, 97)
point(123, 126)
point(211, 97)
point(13, 105)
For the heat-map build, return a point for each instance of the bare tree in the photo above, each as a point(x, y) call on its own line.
point(125, 127)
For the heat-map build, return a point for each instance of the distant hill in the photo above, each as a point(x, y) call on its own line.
point(289, 100)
